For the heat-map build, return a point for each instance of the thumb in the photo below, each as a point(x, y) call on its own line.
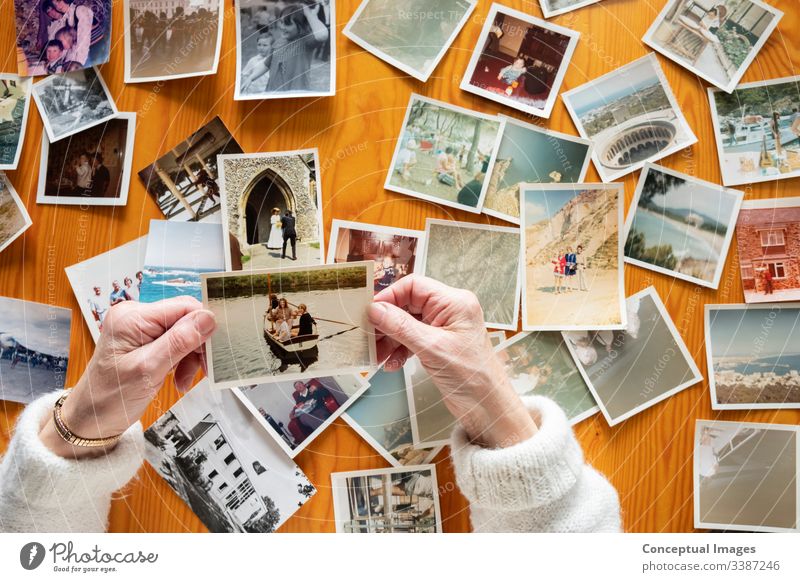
point(188, 334)
point(400, 326)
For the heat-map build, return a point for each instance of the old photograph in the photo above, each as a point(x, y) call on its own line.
point(520, 61)
point(59, 36)
point(394, 250)
point(632, 369)
point(757, 128)
point(715, 39)
point(73, 102)
point(214, 455)
point(745, 476)
point(753, 356)
point(184, 182)
point(531, 154)
point(399, 500)
point(272, 208)
point(631, 116)
point(285, 48)
point(15, 102)
point(412, 35)
point(172, 39)
point(539, 364)
point(107, 279)
point(91, 168)
point(275, 325)
point(432, 423)
point(14, 217)
point(34, 349)
point(482, 258)
point(768, 238)
point(552, 8)
point(681, 226)
point(444, 154)
point(572, 266)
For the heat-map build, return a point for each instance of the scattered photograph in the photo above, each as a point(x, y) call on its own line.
point(632, 369)
point(745, 476)
point(275, 325)
point(496, 337)
point(539, 364)
point(681, 226)
point(34, 349)
point(294, 413)
point(285, 48)
point(393, 250)
point(184, 182)
point(212, 453)
point(171, 40)
point(73, 102)
point(432, 423)
point(412, 35)
point(382, 418)
point(768, 237)
point(757, 128)
point(15, 101)
point(177, 254)
point(715, 39)
point(552, 8)
point(631, 116)
point(753, 356)
point(399, 500)
point(444, 154)
point(534, 155)
point(91, 168)
point(61, 36)
point(480, 257)
point(272, 208)
point(572, 275)
point(14, 218)
point(107, 279)
point(520, 61)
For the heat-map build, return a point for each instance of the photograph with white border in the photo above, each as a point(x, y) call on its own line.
point(14, 217)
point(432, 423)
point(552, 8)
point(717, 40)
point(630, 370)
point(412, 35)
point(444, 154)
point(15, 102)
point(520, 61)
point(681, 226)
point(632, 117)
point(496, 337)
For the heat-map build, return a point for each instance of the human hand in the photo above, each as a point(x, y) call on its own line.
point(140, 345)
point(444, 327)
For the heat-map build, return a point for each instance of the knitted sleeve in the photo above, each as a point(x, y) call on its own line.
point(540, 485)
point(43, 492)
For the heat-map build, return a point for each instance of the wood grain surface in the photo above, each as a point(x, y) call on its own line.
point(648, 458)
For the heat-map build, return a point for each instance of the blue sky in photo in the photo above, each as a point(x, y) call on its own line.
point(758, 333)
point(600, 93)
point(185, 244)
point(544, 204)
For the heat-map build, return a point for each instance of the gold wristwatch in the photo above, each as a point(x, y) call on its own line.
point(73, 439)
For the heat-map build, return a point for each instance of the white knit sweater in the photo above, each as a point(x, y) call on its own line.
point(539, 485)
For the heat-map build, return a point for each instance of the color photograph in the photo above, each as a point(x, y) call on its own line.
point(753, 356)
point(432, 423)
point(275, 325)
point(520, 61)
point(214, 455)
point(14, 218)
point(444, 154)
point(15, 102)
point(572, 275)
point(681, 226)
point(632, 369)
point(631, 116)
point(552, 8)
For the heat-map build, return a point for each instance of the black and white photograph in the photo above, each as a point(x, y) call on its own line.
point(632, 369)
point(72, 102)
point(745, 476)
point(285, 49)
point(294, 413)
point(412, 35)
point(214, 455)
point(91, 168)
point(14, 217)
point(398, 500)
point(171, 39)
point(15, 102)
point(432, 423)
point(552, 8)
point(34, 349)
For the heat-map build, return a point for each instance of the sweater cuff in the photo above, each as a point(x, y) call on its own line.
point(37, 476)
point(530, 474)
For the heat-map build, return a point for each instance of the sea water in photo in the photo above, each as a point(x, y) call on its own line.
point(166, 282)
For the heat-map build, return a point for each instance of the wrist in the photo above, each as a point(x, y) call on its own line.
point(499, 419)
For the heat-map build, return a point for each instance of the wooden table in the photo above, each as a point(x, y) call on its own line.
point(648, 458)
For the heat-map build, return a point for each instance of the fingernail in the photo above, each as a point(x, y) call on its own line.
point(376, 312)
point(205, 322)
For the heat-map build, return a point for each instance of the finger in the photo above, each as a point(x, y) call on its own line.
point(386, 347)
point(177, 342)
point(153, 319)
point(414, 292)
point(401, 326)
point(397, 359)
point(186, 370)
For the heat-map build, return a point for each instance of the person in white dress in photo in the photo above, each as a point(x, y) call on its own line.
point(276, 233)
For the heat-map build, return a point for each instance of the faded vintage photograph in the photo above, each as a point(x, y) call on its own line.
point(15, 101)
point(432, 423)
point(14, 217)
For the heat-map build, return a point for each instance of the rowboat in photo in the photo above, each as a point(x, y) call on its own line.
point(298, 344)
